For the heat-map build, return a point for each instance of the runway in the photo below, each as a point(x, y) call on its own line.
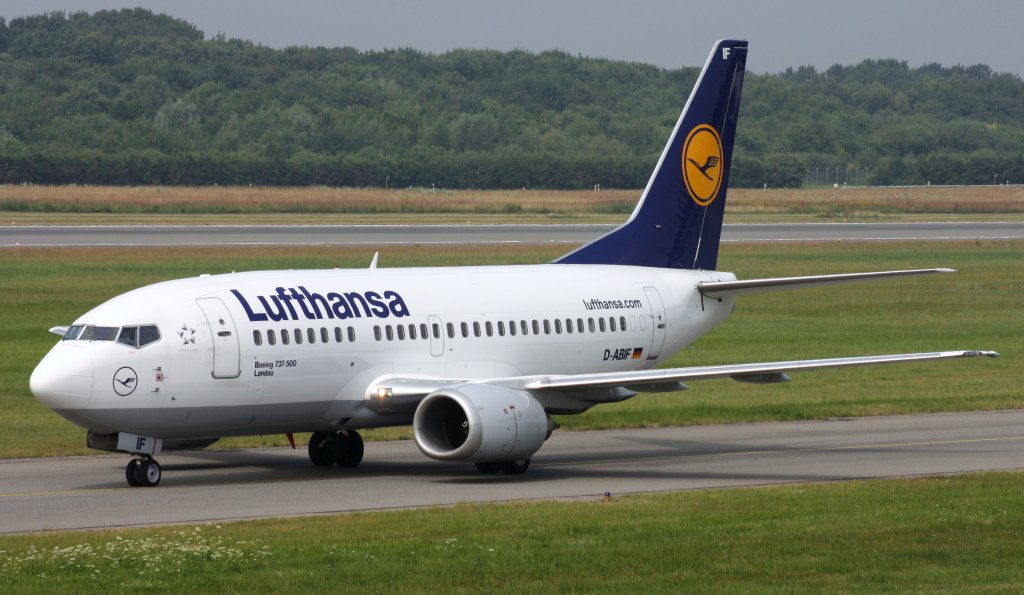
point(90, 492)
point(357, 235)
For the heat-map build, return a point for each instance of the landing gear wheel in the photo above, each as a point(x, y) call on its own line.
point(348, 450)
point(129, 473)
point(515, 467)
point(321, 449)
point(488, 468)
point(150, 471)
point(143, 472)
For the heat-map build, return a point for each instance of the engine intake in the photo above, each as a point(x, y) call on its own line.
point(479, 422)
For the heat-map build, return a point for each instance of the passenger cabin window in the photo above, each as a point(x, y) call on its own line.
point(323, 335)
point(271, 337)
point(257, 338)
point(311, 334)
point(451, 330)
point(376, 332)
point(284, 336)
point(351, 335)
point(337, 334)
point(512, 327)
point(436, 328)
point(298, 336)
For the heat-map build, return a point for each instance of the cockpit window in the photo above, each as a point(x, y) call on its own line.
point(72, 333)
point(98, 333)
point(148, 334)
point(129, 336)
point(139, 336)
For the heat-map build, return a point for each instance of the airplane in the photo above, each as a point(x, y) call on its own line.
point(475, 359)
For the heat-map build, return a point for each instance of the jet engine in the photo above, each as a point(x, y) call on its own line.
point(480, 422)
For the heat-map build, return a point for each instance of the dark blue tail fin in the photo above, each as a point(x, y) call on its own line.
point(678, 221)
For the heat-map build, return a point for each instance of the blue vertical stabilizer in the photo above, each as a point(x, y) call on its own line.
point(678, 221)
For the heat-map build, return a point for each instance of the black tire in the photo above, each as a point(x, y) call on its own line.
point(148, 473)
point(349, 449)
point(515, 467)
point(129, 473)
point(321, 449)
point(488, 467)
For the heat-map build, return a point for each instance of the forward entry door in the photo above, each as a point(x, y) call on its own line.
point(225, 339)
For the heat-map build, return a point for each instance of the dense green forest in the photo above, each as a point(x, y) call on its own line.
point(132, 97)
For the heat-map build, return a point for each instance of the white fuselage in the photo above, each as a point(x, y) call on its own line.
point(222, 367)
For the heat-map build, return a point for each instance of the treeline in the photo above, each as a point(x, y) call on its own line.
point(131, 97)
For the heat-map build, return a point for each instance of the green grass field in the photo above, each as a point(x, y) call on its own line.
point(978, 308)
point(943, 534)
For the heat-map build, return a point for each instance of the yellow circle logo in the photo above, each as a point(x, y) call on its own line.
point(702, 164)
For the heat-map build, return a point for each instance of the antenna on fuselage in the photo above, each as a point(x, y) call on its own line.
point(373, 263)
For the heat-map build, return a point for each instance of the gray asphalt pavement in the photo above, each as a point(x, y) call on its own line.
point(240, 235)
point(90, 492)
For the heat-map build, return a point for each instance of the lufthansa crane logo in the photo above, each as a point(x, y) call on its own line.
point(125, 381)
point(702, 164)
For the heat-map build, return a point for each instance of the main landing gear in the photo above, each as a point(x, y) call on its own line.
point(143, 471)
point(344, 448)
point(510, 467)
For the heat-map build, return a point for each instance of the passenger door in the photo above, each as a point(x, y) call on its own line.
point(226, 360)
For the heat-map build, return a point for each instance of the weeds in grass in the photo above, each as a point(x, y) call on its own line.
point(146, 555)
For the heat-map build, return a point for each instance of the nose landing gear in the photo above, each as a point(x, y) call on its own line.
point(143, 471)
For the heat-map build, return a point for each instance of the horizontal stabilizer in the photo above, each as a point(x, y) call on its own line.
point(719, 289)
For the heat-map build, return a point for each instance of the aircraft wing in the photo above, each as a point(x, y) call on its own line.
point(719, 289)
point(769, 372)
point(403, 394)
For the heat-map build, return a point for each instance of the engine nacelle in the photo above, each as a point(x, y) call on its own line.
point(480, 422)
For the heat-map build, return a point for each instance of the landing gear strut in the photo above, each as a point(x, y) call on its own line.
point(143, 471)
point(344, 448)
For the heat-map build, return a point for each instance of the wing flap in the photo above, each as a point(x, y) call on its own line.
point(719, 289)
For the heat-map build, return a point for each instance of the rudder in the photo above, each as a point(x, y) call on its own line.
point(678, 221)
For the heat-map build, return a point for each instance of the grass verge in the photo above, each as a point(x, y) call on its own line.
point(979, 308)
point(943, 534)
point(156, 204)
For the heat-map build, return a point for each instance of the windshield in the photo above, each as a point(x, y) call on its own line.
point(132, 336)
point(139, 336)
point(98, 333)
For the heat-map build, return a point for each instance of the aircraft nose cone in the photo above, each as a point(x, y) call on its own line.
point(63, 380)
